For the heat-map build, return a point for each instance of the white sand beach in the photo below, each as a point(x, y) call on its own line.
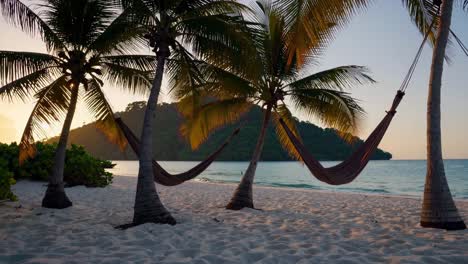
point(294, 226)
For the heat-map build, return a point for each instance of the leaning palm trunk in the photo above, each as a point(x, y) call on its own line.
point(55, 196)
point(148, 206)
point(243, 195)
point(438, 209)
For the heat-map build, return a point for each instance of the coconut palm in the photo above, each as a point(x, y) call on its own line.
point(438, 210)
point(180, 32)
point(86, 46)
point(277, 85)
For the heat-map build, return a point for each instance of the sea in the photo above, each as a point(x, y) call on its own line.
point(394, 177)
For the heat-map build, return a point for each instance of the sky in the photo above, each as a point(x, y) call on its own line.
point(382, 38)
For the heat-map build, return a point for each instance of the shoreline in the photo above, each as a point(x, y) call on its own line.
point(294, 226)
point(256, 185)
point(398, 178)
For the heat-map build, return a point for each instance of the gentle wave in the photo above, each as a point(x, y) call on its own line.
point(204, 179)
point(287, 185)
point(365, 190)
point(299, 186)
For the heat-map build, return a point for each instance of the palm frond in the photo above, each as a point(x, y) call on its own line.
point(129, 79)
point(23, 87)
point(15, 65)
point(223, 83)
point(339, 78)
point(422, 13)
point(197, 77)
point(183, 73)
point(52, 104)
point(208, 117)
point(122, 36)
point(189, 105)
point(137, 62)
point(332, 108)
point(79, 22)
point(310, 24)
point(276, 61)
point(20, 15)
point(283, 112)
point(141, 12)
point(223, 40)
point(193, 9)
point(320, 12)
point(99, 106)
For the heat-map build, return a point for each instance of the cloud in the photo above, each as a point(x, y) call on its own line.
point(7, 130)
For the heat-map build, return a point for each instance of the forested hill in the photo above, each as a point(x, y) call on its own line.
point(324, 144)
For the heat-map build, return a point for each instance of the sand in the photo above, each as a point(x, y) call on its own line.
point(294, 226)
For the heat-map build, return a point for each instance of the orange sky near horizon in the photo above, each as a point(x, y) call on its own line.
point(382, 38)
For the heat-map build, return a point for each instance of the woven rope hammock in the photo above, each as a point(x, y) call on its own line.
point(348, 170)
point(162, 176)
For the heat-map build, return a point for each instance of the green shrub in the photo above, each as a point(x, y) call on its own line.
point(83, 169)
point(107, 164)
point(80, 167)
point(39, 167)
point(6, 181)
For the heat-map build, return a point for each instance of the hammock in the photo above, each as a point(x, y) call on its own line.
point(162, 176)
point(348, 170)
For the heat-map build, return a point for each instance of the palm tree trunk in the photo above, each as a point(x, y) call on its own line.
point(438, 209)
point(148, 206)
point(243, 195)
point(55, 196)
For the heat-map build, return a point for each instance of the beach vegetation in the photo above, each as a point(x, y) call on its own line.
point(87, 42)
point(80, 167)
point(6, 181)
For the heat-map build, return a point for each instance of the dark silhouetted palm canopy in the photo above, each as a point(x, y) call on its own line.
point(181, 32)
point(87, 44)
point(278, 84)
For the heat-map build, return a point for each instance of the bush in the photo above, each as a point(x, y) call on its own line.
point(80, 167)
point(83, 169)
point(6, 181)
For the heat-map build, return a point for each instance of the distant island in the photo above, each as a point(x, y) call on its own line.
point(325, 144)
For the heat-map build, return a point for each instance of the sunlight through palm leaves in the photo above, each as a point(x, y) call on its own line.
point(86, 47)
point(228, 93)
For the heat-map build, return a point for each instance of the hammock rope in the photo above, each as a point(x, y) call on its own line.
point(348, 170)
point(460, 43)
point(162, 176)
point(409, 75)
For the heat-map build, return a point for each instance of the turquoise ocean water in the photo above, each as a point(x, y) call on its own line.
point(399, 177)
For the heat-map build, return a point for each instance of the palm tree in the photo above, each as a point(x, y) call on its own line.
point(85, 46)
point(180, 32)
point(438, 210)
point(320, 95)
